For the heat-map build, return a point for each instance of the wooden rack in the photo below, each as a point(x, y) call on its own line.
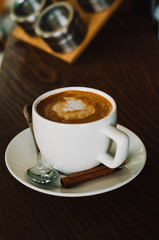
point(93, 21)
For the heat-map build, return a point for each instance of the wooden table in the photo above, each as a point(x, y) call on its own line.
point(124, 65)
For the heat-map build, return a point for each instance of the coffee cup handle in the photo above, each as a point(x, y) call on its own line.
point(122, 147)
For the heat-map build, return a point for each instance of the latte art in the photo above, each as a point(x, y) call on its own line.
point(74, 106)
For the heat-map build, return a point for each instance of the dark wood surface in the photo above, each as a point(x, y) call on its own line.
point(125, 65)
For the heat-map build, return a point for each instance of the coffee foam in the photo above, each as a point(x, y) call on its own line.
point(72, 108)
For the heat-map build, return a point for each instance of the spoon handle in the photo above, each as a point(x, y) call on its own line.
point(27, 110)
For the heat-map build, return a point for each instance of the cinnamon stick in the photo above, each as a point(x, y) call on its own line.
point(86, 175)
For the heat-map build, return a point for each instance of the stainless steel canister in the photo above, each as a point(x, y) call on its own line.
point(93, 6)
point(25, 12)
point(61, 27)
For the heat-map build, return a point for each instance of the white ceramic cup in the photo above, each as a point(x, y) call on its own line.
point(71, 148)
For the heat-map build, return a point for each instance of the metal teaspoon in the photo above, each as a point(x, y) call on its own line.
point(39, 173)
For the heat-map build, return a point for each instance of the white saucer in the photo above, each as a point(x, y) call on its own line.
point(20, 155)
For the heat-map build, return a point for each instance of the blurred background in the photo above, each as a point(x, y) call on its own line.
point(150, 6)
point(5, 25)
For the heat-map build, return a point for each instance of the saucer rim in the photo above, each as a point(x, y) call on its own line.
point(79, 194)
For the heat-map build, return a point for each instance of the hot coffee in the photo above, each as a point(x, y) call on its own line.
point(74, 106)
point(70, 147)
